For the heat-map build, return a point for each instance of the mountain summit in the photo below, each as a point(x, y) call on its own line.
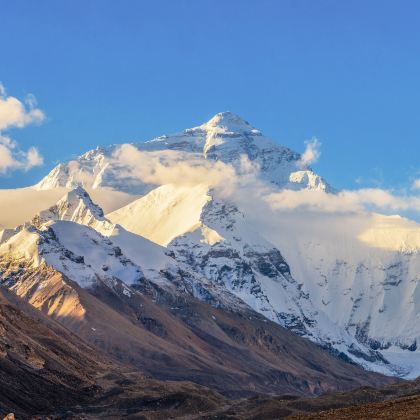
point(229, 122)
point(226, 138)
point(76, 206)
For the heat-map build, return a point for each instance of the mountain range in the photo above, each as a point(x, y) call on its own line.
point(201, 267)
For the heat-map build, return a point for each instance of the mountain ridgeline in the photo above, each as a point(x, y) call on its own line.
point(194, 280)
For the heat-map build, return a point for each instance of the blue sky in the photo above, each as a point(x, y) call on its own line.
point(347, 72)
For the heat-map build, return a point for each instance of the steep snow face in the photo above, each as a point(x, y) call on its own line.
point(98, 252)
point(393, 233)
point(164, 213)
point(84, 171)
point(226, 138)
point(225, 249)
point(22, 245)
point(147, 254)
point(361, 271)
point(227, 252)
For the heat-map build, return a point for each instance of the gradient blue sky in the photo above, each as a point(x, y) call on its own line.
point(347, 72)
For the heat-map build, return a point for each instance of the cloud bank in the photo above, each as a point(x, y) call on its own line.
point(173, 167)
point(362, 200)
point(180, 168)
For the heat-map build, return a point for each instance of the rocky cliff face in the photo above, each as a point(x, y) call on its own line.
point(225, 250)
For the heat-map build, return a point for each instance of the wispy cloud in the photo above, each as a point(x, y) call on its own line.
point(375, 179)
point(312, 152)
point(15, 113)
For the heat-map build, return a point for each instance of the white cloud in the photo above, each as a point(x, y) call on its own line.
point(17, 114)
point(368, 199)
point(33, 158)
point(312, 152)
point(173, 167)
point(6, 159)
point(12, 158)
point(14, 113)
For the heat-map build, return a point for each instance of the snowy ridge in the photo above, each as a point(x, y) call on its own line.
point(76, 206)
point(91, 250)
point(165, 213)
point(77, 251)
point(61, 237)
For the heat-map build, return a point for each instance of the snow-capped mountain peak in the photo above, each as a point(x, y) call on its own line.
point(75, 206)
point(79, 252)
point(226, 138)
point(228, 122)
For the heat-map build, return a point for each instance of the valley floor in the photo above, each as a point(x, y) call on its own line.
point(126, 395)
point(401, 408)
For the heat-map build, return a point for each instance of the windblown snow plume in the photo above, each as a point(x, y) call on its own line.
point(312, 152)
